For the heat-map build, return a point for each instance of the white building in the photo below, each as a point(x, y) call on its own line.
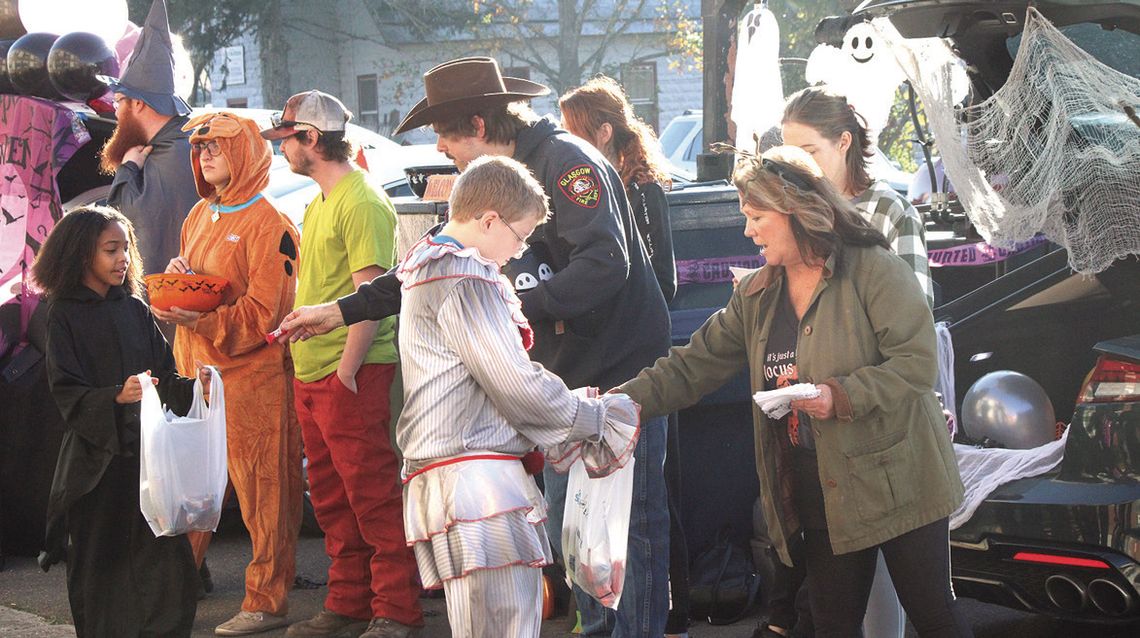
point(374, 61)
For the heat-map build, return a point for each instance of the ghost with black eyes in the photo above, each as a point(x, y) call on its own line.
point(525, 281)
point(863, 69)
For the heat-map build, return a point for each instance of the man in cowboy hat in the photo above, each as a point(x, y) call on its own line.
point(342, 384)
point(596, 308)
point(149, 153)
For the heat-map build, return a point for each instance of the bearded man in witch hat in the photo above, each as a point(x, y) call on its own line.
point(149, 153)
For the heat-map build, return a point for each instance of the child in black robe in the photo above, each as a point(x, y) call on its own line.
point(121, 580)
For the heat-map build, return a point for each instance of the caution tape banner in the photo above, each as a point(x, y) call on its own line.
point(979, 254)
point(713, 270)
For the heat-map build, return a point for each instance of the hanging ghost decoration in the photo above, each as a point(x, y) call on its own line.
point(859, 65)
point(757, 90)
point(858, 58)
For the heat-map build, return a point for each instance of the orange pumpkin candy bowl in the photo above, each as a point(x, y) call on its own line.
point(200, 293)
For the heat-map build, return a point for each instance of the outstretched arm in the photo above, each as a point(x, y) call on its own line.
point(372, 301)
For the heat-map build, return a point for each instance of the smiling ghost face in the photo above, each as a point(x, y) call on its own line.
point(861, 43)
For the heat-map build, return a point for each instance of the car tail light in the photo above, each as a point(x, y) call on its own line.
point(1060, 559)
point(1112, 380)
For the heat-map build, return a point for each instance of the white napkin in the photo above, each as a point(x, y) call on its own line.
point(776, 403)
point(739, 273)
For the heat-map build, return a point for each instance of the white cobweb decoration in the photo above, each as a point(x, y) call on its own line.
point(1056, 150)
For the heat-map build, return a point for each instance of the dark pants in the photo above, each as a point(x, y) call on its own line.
point(784, 606)
point(121, 580)
point(919, 563)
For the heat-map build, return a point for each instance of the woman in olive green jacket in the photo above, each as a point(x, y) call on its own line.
point(848, 316)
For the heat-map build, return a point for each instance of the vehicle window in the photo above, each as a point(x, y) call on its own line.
point(399, 189)
point(696, 147)
point(674, 134)
point(1116, 49)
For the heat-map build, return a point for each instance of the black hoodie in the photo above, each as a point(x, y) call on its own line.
point(597, 311)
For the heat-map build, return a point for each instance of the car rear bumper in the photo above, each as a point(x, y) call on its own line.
point(987, 571)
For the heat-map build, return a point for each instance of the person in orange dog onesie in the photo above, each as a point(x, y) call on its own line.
point(234, 232)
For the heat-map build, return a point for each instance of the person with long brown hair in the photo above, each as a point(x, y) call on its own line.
point(823, 123)
point(600, 113)
point(864, 467)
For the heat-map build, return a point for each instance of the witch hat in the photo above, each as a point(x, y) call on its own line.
point(150, 72)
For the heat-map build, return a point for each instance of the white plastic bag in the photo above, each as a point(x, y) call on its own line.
point(595, 531)
point(182, 465)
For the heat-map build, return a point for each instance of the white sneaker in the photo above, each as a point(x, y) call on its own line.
point(250, 622)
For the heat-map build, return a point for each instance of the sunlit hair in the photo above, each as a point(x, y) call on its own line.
point(787, 180)
point(830, 114)
point(637, 154)
point(69, 250)
point(500, 184)
point(501, 122)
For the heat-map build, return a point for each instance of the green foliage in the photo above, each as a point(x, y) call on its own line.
point(897, 139)
point(798, 19)
point(684, 35)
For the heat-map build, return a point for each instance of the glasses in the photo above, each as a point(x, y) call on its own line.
point(522, 240)
point(277, 121)
point(210, 147)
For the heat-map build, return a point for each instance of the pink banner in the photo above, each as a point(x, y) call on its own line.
point(979, 254)
point(37, 137)
point(713, 270)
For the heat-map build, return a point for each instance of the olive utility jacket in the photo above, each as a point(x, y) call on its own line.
point(886, 462)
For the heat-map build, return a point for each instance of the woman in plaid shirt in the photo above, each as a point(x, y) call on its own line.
point(823, 123)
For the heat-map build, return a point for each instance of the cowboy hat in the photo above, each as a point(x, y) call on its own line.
point(464, 86)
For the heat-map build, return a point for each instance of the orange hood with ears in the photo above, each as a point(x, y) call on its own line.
point(248, 155)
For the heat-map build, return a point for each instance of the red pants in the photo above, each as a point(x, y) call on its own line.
point(354, 486)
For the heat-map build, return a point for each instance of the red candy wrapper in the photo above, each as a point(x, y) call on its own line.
point(273, 336)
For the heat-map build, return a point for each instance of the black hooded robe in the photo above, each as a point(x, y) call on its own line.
point(122, 581)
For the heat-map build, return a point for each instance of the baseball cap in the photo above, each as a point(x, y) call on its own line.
point(308, 111)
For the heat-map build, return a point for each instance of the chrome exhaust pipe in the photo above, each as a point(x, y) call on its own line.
point(1109, 598)
point(1066, 594)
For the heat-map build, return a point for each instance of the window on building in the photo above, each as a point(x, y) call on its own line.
point(640, 84)
point(367, 102)
point(390, 122)
point(237, 103)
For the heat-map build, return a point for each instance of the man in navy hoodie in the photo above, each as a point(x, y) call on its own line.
point(586, 285)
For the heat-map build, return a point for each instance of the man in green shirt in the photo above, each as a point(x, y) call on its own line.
point(342, 384)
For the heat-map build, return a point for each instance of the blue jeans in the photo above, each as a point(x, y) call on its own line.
point(644, 604)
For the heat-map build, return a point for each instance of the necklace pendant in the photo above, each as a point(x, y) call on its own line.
point(216, 216)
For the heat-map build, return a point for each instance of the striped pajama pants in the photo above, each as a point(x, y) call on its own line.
point(494, 603)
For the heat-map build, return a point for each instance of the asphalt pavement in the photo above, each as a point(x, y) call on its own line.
point(34, 604)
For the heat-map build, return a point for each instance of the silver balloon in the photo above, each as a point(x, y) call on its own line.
point(1009, 408)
